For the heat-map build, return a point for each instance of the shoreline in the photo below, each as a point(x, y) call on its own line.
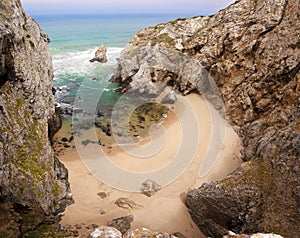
point(165, 211)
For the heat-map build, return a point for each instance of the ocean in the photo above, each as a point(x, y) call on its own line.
point(75, 38)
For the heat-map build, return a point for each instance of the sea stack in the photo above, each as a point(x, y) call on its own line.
point(100, 54)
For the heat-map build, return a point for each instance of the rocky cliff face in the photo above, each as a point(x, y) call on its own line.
point(252, 51)
point(33, 184)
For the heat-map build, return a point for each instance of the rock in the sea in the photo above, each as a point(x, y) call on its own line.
point(100, 54)
point(33, 184)
point(106, 232)
point(122, 224)
point(251, 50)
point(150, 187)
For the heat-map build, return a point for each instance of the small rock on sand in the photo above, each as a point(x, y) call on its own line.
point(102, 195)
point(150, 187)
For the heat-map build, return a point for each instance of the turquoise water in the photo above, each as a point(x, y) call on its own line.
point(75, 38)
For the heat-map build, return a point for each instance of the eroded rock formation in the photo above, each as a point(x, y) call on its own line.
point(252, 51)
point(33, 184)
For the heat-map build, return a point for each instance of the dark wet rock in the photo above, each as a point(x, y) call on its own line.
point(66, 145)
point(54, 124)
point(123, 224)
point(100, 113)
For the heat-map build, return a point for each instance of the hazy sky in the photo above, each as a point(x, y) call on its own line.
point(184, 7)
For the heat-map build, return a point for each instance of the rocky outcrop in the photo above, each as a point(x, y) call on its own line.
point(33, 184)
point(252, 52)
point(100, 55)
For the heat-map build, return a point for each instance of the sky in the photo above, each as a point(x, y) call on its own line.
point(183, 7)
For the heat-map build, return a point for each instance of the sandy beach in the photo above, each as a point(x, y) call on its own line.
point(165, 210)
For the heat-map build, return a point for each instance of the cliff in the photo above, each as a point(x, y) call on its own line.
point(33, 184)
point(252, 52)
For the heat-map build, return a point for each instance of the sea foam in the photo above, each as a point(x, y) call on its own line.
point(78, 62)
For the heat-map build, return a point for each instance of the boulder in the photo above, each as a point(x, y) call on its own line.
point(123, 224)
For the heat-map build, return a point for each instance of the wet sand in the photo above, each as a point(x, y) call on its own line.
point(165, 210)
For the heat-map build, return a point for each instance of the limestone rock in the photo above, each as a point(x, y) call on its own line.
point(33, 184)
point(251, 51)
point(100, 55)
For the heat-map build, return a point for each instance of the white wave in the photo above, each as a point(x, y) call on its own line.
point(79, 62)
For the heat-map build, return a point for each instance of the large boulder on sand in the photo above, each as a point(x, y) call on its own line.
point(100, 54)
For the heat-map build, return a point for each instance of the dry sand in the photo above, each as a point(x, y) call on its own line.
point(164, 211)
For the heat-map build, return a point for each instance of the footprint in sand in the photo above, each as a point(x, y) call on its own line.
point(125, 203)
